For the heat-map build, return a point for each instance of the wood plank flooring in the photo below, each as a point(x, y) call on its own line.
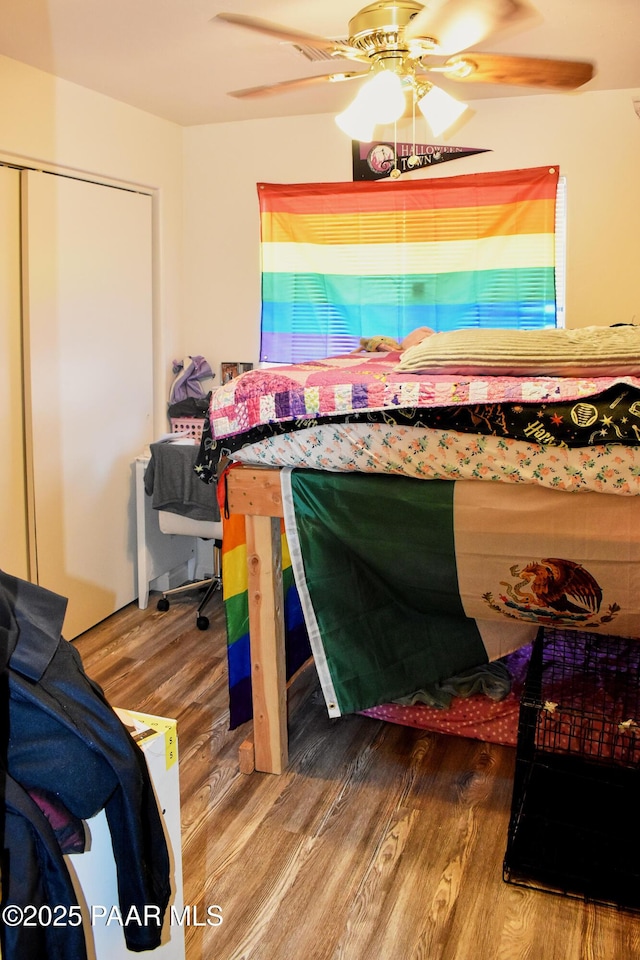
point(378, 842)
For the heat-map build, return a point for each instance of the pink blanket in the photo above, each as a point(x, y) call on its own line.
point(339, 386)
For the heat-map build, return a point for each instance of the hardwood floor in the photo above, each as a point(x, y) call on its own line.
point(378, 842)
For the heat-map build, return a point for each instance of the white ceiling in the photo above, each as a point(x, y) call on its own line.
point(168, 58)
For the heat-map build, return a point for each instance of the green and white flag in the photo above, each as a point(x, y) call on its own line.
point(405, 583)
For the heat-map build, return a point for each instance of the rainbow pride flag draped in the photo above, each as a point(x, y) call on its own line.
point(341, 261)
point(236, 606)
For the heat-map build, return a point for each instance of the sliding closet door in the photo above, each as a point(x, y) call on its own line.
point(13, 520)
point(88, 321)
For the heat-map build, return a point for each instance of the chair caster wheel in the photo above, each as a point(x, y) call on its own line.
point(163, 604)
point(202, 623)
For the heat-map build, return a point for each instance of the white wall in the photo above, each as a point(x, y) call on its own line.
point(593, 137)
point(222, 164)
point(50, 122)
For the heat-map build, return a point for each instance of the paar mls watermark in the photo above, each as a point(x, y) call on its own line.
point(190, 915)
point(147, 915)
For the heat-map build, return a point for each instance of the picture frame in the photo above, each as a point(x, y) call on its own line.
point(232, 369)
point(228, 371)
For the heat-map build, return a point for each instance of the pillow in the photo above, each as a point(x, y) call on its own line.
point(587, 352)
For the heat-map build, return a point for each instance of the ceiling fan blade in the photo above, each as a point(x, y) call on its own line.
point(459, 24)
point(285, 86)
point(521, 71)
point(333, 47)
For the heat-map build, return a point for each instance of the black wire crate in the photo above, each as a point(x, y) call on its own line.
point(574, 815)
point(582, 697)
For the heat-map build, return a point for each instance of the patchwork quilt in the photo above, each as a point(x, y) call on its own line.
point(564, 411)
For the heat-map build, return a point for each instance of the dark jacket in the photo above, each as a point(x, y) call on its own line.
point(65, 739)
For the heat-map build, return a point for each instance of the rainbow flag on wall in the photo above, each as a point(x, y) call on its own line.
point(341, 261)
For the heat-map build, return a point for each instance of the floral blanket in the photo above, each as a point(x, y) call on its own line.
point(449, 455)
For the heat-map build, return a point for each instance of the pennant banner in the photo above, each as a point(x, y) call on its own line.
point(375, 161)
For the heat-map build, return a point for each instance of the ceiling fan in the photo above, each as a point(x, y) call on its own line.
point(410, 43)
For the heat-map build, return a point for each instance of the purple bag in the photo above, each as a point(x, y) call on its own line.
point(189, 372)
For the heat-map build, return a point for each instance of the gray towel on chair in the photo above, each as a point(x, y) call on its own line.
point(173, 485)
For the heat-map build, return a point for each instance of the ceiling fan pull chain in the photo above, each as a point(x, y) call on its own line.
point(413, 159)
point(413, 130)
point(395, 173)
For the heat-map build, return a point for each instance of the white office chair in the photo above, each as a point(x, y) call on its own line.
point(173, 523)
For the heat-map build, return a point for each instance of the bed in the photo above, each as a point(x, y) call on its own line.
point(535, 466)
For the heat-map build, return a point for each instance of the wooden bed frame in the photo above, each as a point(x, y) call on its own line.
point(255, 493)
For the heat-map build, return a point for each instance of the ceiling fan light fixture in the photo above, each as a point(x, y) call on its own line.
point(382, 97)
point(440, 109)
point(387, 92)
point(355, 125)
point(381, 100)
